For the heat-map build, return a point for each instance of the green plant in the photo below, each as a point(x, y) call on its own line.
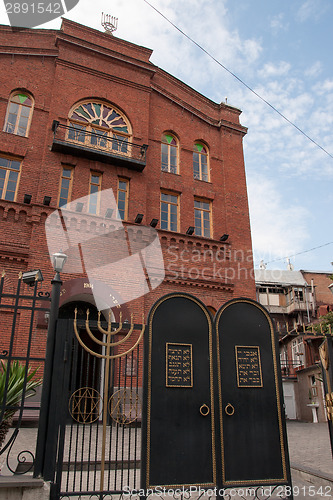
point(323, 326)
point(13, 396)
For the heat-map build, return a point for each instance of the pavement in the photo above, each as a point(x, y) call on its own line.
point(310, 454)
point(309, 451)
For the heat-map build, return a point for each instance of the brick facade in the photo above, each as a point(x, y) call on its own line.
point(320, 282)
point(61, 68)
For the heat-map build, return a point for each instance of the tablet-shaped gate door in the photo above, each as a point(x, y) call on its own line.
point(253, 445)
point(178, 437)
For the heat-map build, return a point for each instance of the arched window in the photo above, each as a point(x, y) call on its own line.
point(99, 125)
point(19, 114)
point(200, 162)
point(169, 153)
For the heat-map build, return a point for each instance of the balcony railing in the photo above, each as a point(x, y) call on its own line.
point(98, 146)
point(289, 368)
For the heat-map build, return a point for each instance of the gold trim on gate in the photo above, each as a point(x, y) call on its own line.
point(204, 410)
point(84, 405)
point(325, 361)
point(167, 370)
point(125, 406)
point(229, 409)
point(239, 379)
point(108, 357)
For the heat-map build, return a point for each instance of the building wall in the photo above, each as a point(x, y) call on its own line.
point(304, 390)
point(324, 297)
point(61, 68)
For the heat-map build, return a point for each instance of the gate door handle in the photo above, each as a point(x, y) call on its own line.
point(229, 409)
point(204, 410)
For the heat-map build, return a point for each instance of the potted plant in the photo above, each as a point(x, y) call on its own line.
point(15, 388)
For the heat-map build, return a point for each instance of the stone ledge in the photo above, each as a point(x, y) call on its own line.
point(313, 476)
point(20, 482)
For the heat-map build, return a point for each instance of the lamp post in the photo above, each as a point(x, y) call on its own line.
point(58, 261)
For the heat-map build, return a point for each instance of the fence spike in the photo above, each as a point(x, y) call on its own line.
point(20, 275)
point(3, 274)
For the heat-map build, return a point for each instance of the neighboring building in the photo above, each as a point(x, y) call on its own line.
point(320, 282)
point(286, 295)
point(83, 111)
point(295, 300)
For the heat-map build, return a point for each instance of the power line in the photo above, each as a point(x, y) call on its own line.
point(299, 253)
point(239, 79)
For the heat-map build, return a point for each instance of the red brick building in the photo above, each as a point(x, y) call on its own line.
point(83, 111)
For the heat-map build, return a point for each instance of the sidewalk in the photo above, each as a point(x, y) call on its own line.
point(310, 451)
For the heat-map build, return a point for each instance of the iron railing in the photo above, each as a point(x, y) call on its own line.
point(98, 145)
point(23, 323)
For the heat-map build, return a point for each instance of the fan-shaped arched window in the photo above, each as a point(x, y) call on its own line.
point(19, 114)
point(169, 153)
point(99, 125)
point(200, 162)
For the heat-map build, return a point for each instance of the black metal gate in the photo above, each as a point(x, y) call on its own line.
point(179, 398)
point(96, 406)
point(195, 436)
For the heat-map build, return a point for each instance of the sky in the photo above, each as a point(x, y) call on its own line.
point(282, 50)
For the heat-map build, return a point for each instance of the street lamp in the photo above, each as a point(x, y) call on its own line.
point(58, 261)
point(44, 463)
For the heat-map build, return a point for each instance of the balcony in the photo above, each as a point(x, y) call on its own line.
point(98, 146)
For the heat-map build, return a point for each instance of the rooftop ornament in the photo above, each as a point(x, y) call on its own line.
point(109, 23)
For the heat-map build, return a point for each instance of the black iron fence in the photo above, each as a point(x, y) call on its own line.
point(24, 311)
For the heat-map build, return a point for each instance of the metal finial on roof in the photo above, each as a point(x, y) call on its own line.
point(109, 23)
point(290, 267)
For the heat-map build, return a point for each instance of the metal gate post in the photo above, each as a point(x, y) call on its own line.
point(43, 427)
point(326, 355)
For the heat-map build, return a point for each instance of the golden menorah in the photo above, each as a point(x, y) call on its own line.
point(108, 355)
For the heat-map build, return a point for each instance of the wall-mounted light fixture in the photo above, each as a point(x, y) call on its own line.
point(224, 237)
point(79, 207)
point(138, 219)
point(30, 277)
point(190, 230)
point(108, 213)
point(47, 201)
point(27, 199)
point(153, 222)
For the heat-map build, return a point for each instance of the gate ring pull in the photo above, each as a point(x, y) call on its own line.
point(204, 410)
point(229, 409)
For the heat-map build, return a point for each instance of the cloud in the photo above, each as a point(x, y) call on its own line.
point(278, 228)
point(313, 70)
point(272, 70)
point(278, 24)
point(311, 9)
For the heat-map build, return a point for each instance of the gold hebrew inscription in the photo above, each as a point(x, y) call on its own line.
point(179, 370)
point(248, 366)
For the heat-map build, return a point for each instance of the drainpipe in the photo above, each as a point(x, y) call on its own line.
point(307, 303)
point(313, 299)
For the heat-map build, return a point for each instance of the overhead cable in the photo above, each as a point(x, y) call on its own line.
point(239, 79)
